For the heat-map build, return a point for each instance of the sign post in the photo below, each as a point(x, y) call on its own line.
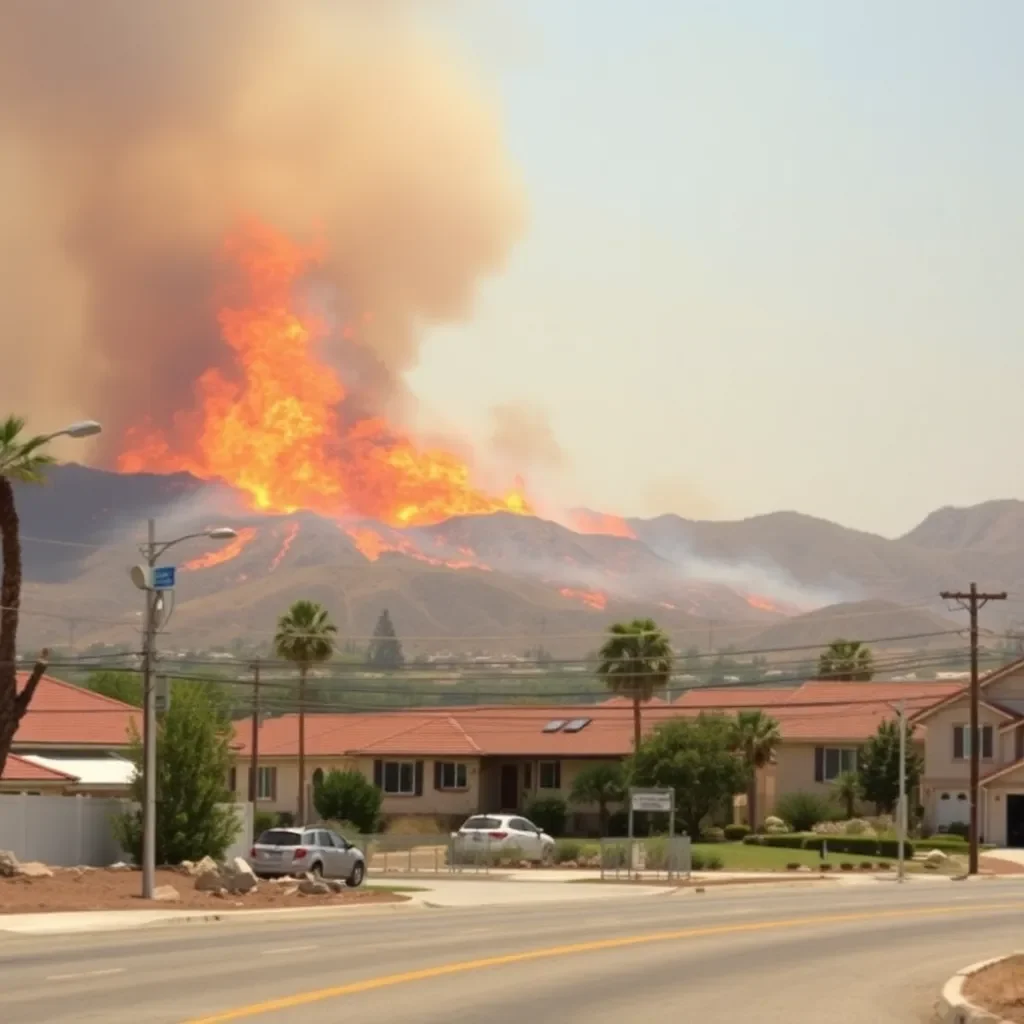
point(657, 800)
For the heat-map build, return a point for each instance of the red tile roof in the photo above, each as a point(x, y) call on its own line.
point(816, 712)
point(62, 714)
point(17, 769)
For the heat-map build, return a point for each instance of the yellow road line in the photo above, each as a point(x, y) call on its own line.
point(596, 946)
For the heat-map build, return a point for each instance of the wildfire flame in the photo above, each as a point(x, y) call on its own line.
point(273, 426)
point(596, 599)
point(583, 521)
point(372, 544)
point(289, 537)
point(761, 603)
point(218, 556)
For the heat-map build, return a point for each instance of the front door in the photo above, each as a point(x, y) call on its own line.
point(509, 787)
point(1015, 819)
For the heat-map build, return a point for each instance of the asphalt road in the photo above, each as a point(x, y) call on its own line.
point(801, 953)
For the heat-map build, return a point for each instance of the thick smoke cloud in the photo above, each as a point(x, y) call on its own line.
point(133, 135)
point(522, 435)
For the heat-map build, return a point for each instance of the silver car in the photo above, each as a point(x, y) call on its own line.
point(300, 851)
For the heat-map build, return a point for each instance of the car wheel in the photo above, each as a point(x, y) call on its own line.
point(358, 873)
point(547, 856)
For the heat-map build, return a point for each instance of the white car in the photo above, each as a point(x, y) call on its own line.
point(497, 834)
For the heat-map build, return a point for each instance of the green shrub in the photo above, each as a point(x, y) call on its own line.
point(846, 866)
point(865, 846)
point(263, 821)
point(866, 865)
point(804, 810)
point(285, 819)
point(348, 796)
point(714, 862)
point(698, 862)
point(568, 849)
point(347, 829)
point(712, 835)
point(792, 866)
point(789, 841)
point(825, 866)
point(550, 814)
point(736, 833)
point(959, 828)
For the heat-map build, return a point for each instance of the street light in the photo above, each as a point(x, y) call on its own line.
point(143, 579)
point(83, 428)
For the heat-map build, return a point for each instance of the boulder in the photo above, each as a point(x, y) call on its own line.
point(166, 894)
point(120, 865)
point(33, 869)
point(935, 857)
point(8, 864)
point(289, 890)
point(309, 887)
point(235, 876)
point(336, 885)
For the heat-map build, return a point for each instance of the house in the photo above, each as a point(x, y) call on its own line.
point(71, 741)
point(945, 784)
point(453, 762)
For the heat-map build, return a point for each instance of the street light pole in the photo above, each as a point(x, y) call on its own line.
point(152, 551)
point(902, 823)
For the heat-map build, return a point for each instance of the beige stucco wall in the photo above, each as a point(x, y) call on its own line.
point(939, 763)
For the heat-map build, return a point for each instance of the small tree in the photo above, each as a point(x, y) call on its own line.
point(636, 661)
point(757, 736)
point(600, 784)
point(348, 796)
point(385, 649)
point(123, 686)
point(697, 758)
point(846, 660)
point(846, 789)
point(193, 746)
point(878, 766)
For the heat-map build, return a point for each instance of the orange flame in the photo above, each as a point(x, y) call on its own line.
point(218, 556)
point(372, 544)
point(273, 426)
point(595, 599)
point(583, 521)
point(290, 534)
point(761, 603)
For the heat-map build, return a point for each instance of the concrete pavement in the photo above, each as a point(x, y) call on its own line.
point(790, 953)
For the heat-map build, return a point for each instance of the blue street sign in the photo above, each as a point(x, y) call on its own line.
point(163, 577)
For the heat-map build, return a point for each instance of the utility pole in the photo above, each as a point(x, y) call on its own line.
point(149, 725)
point(973, 602)
point(902, 811)
point(254, 768)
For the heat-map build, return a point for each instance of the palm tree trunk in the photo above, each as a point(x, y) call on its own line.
point(10, 600)
point(637, 729)
point(302, 745)
point(752, 802)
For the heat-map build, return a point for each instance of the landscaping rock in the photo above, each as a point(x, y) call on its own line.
point(290, 890)
point(8, 864)
point(235, 877)
point(166, 894)
point(309, 887)
point(336, 885)
point(119, 865)
point(935, 857)
point(33, 869)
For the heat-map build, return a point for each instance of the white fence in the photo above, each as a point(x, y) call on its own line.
point(69, 830)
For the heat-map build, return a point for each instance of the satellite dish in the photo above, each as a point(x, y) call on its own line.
point(140, 576)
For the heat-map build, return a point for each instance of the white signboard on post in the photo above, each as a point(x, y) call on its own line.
point(651, 800)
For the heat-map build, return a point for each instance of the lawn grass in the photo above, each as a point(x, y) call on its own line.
point(745, 857)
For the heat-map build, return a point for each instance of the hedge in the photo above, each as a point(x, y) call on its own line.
point(865, 846)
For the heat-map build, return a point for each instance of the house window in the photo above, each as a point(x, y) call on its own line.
point(266, 784)
point(450, 775)
point(831, 762)
point(962, 742)
point(549, 775)
point(399, 778)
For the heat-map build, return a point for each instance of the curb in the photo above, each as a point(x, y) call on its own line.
point(955, 1009)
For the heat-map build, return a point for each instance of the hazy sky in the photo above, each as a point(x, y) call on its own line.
point(772, 258)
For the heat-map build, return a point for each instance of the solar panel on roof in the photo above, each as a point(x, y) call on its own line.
point(554, 725)
point(577, 724)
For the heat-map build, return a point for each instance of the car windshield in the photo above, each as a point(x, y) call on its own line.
point(278, 837)
point(487, 823)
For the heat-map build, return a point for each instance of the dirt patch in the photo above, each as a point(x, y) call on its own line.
point(999, 989)
point(101, 889)
point(1000, 867)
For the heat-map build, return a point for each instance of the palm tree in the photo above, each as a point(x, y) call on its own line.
point(846, 660)
point(305, 636)
point(602, 784)
point(757, 736)
point(846, 789)
point(22, 460)
point(636, 660)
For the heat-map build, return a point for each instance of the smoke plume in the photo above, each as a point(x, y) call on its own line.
point(522, 434)
point(133, 135)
